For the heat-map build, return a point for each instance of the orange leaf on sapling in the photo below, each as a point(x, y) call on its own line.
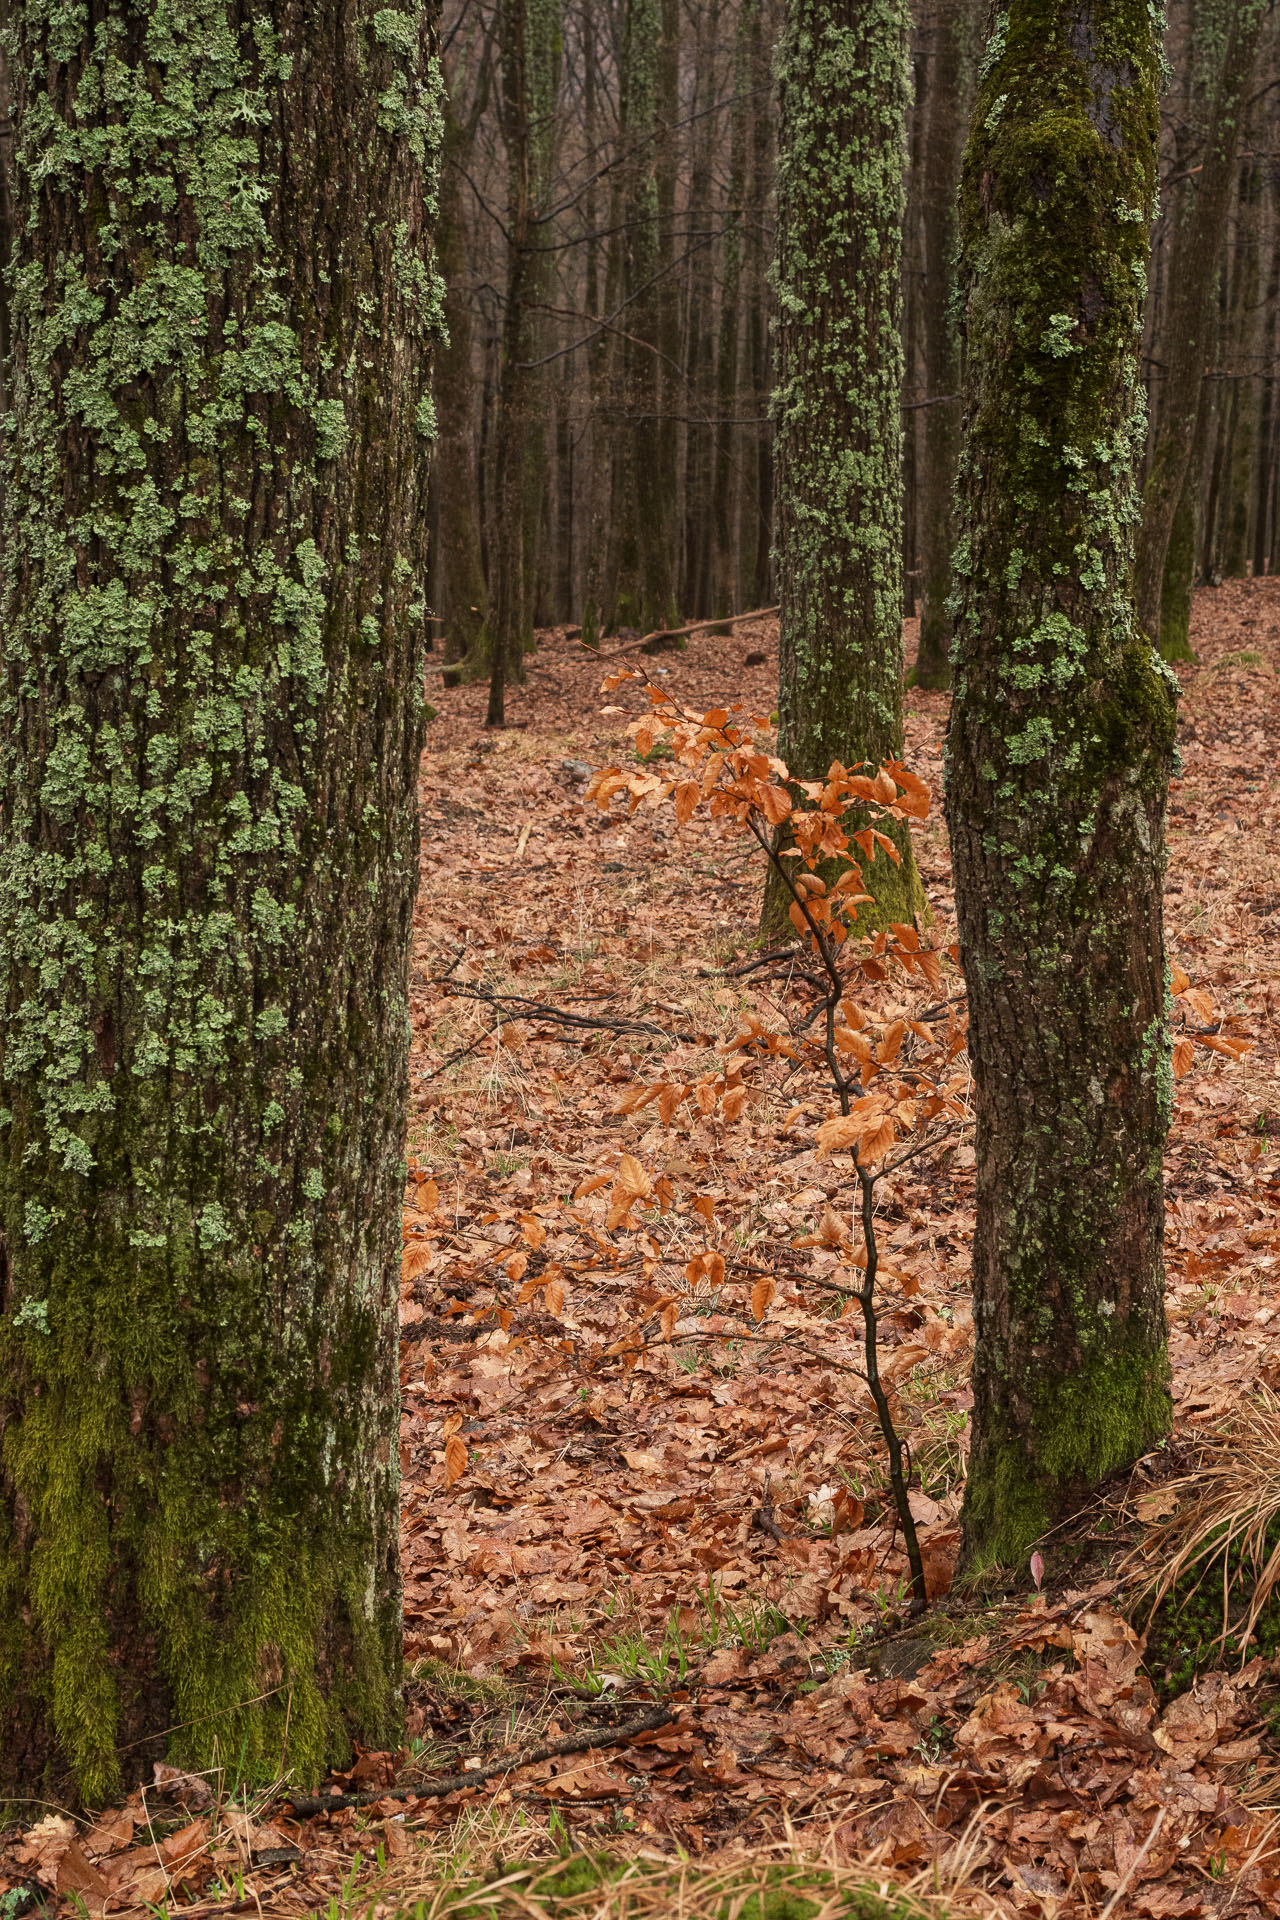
point(761, 1297)
point(455, 1460)
point(688, 794)
point(553, 1297)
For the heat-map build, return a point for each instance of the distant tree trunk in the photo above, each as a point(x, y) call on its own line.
point(1197, 251)
point(644, 575)
point(1268, 450)
point(1180, 560)
point(598, 355)
point(940, 433)
point(842, 146)
point(528, 36)
point(695, 394)
point(728, 438)
point(210, 726)
point(755, 482)
point(464, 590)
point(1242, 348)
point(1059, 755)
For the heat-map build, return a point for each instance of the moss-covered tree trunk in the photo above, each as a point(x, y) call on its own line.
point(1060, 748)
point(1229, 35)
point(210, 723)
point(843, 83)
point(949, 85)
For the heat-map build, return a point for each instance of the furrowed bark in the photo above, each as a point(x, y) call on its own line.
point(1060, 749)
point(210, 724)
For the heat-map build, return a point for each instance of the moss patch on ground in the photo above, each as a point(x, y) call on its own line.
point(1198, 1627)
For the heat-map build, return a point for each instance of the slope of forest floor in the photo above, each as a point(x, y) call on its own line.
point(631, 1478)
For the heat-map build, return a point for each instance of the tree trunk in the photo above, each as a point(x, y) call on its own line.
point(1197, 247)
point(529, 53)
point(464, 590)
point(643, 593)
point(755, 481)
point(1060, 748)
point(728, 439)
point(943, 145)
point(210, 724)
point(842, 144)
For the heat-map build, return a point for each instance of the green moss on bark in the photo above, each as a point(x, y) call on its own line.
point(1059, 754)
point(210, 720)
point(842, 146)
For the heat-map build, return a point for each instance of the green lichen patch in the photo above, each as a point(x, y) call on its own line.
point(838, 405)
point(210, 716)
point(1060, 748)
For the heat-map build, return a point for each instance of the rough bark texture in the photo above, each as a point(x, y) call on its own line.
point(943, 146)
point(210, 722)
point(1185, 336)
point(843, 80)
point(1060, 749)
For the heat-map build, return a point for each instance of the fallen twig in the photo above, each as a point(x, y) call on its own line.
point(674, 633)
point(525, 1009)
point(432, 1788)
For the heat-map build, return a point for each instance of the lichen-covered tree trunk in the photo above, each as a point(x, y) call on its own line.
point(1230, 33)
point(843, 81)
point(945, 102)
point(210, 723)
point(1060, 748)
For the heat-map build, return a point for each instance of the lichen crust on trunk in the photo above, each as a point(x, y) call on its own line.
point(843, 90)
point(214, 513)
point(1059, 754)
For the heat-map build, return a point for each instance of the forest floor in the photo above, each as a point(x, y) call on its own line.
point(631, 1479)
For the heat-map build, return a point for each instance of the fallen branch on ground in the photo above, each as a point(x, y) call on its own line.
point(674, 633)
point(432, 1788)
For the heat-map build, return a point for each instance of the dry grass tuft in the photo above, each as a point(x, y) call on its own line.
point(1227, 1506)
point(488, 1871)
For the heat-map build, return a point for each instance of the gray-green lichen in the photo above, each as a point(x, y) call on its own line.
point(1059, 754)
point(844, 85)
point(222, 305)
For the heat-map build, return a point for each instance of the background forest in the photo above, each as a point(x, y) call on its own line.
point(607, 239)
